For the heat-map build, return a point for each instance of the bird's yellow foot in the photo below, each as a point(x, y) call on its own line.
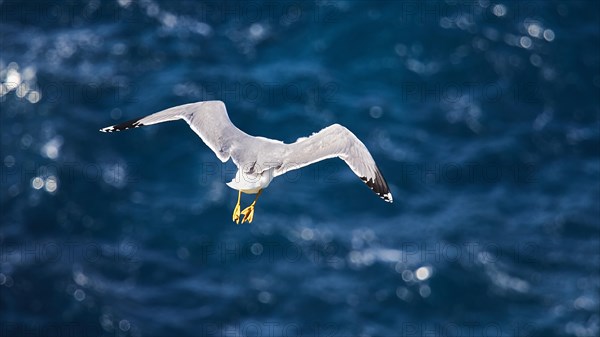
point(248, 213)
point(236, 214)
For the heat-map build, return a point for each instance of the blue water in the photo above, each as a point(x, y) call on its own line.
point(483, 117)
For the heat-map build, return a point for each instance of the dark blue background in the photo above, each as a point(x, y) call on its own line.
point(483, 117)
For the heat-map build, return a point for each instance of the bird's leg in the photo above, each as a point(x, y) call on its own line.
point(248, 212)
point(236, 210)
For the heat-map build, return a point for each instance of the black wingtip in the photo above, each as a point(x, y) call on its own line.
point(134, 123)
point(379, 186)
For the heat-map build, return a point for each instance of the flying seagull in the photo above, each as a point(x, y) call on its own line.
point(260, 159)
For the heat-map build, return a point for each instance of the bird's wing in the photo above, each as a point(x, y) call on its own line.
point(208, 119)
point(336, 141)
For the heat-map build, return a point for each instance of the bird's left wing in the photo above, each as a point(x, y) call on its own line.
point(336, 141)
point(208, 119)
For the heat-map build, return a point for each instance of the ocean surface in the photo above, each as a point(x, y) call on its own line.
point(483, 116)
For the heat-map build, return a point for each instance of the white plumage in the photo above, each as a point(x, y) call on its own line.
point(260, 159)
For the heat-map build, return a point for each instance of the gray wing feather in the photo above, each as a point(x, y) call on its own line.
point(209, 120)
point(336, 141)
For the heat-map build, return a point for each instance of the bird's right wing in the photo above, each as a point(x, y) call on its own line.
point(336, 141)
point(208, 119)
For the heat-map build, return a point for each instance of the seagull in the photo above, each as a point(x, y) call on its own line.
point(260, 159)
